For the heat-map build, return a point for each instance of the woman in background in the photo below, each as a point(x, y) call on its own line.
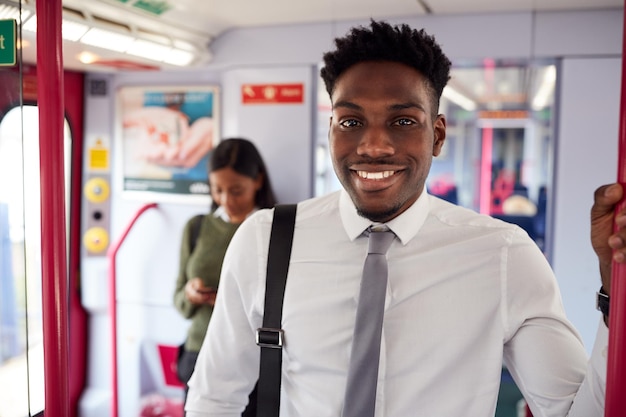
point(239, 185)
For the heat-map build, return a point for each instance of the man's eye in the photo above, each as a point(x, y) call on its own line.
point(349, 123)
point(404, 122)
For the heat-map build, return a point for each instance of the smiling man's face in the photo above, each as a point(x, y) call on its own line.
point(383, 137)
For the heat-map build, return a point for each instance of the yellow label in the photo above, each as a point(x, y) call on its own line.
point(99, 158)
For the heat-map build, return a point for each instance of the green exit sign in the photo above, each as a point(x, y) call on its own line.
point(7, 42)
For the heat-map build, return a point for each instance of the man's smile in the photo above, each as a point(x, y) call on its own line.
point(375, 180)
point(375, 175)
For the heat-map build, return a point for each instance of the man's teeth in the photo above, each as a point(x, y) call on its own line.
point(374, 175)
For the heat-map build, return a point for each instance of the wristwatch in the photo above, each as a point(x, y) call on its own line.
point(602, 302)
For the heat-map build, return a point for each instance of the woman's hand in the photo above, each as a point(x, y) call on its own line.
point(198, 294)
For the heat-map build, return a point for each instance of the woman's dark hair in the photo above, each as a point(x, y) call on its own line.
point(244, 158)
point(383, 42)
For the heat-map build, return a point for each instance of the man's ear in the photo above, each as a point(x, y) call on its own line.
point(439, 128)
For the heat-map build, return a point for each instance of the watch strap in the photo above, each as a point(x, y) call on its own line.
point(602, 301)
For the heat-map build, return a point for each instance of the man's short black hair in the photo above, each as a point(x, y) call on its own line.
point(384, 42)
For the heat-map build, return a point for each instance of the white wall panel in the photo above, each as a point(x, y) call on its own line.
point(586, 159)
point(283, 132)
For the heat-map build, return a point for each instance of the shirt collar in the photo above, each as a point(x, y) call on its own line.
point(221, 213)
point(405, 226)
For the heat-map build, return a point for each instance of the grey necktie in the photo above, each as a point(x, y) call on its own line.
point(360, 397)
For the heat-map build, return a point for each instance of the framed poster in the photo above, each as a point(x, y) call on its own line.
point(165, 138)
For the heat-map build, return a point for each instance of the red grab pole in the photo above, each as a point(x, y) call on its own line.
point(616, 367)
point(53, 252)
point(111, 256)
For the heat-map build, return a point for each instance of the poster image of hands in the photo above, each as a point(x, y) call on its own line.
point(166, 136)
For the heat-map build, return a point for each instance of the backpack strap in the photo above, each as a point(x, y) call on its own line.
point(195, 231)
point(270, 336)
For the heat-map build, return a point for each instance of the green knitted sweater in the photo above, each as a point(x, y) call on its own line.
point(206, 263)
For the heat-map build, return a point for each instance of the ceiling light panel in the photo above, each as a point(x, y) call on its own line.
point(106, 39)
point(147, 49)
point(72, 31)
point(178, 57)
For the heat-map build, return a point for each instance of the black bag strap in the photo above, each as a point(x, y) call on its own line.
point(196, 222)
point(270, 336)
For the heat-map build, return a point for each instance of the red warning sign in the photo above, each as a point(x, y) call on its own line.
point(272, 93)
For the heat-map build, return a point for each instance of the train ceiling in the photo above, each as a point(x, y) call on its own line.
point(179, 32)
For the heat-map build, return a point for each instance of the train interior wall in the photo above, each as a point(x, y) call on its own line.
point(588, 96)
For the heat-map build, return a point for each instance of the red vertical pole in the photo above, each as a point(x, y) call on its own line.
point(486, 163)
point(53, 249)
point(616, 368)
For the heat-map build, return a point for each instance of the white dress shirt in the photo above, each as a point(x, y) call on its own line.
point(466, 293)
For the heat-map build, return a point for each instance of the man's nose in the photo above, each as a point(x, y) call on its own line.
point(376, 142)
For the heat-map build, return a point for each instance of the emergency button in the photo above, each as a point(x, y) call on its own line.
point(97, 190)
point(96, 239)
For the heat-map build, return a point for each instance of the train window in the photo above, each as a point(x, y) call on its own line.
point(21, 332)
point(499, 150)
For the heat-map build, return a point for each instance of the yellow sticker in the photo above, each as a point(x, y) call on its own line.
point(98, 159)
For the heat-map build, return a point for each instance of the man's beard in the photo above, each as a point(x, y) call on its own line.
point(379, 216)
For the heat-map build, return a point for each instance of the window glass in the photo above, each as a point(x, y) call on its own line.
point(21, 333)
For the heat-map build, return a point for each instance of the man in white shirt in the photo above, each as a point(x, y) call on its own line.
point(465, 294)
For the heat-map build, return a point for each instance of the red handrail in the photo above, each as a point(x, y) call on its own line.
point(616, 366)
point(53, 249)
point(111, 255)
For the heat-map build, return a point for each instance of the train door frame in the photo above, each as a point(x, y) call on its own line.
point(22, 89)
